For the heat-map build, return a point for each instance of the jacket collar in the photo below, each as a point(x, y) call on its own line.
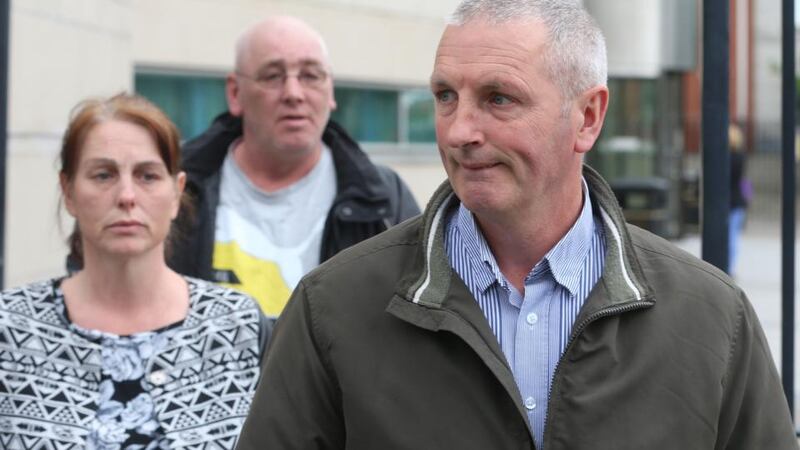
point(356, 174)
point(203, 156)
point(357, 178)
point(623, 279)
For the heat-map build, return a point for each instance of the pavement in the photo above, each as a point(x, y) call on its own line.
point(759, 275)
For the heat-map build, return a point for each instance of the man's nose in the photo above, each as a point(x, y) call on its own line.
point(292, 89)
point(464, 130)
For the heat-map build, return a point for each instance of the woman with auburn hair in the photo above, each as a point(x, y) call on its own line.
point(125, 353)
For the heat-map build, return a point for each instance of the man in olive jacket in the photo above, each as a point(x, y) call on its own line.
point(519, 311)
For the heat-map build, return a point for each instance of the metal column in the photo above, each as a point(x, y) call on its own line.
point(788, 203)
point(5, 6)
point(715, 205)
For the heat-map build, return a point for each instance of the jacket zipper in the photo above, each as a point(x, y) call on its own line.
point(576, 331)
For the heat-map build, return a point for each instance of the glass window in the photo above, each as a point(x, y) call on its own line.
point(627, 145)
point(369, 115)
point(190, 101)
point(421, 115)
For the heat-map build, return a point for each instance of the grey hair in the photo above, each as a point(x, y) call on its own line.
point(575, 57)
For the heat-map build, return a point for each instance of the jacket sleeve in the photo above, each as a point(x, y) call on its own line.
point(297, 402)
point(754, 409)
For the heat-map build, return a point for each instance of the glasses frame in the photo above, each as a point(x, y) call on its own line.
point(279, 83)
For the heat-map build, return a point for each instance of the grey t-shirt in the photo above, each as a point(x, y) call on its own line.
point(266, 241)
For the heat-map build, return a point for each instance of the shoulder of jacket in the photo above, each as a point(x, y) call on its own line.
point(203, 155)
point(387, 173)
point(371, 252)
point(658, 255)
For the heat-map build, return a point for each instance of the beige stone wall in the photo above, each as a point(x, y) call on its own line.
point(65, 51)
point(60, 52)
point(633, 47)
point(369, 40)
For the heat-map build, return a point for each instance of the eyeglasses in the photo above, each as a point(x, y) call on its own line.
point(274, 79)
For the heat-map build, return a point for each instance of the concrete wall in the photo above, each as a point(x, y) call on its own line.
point(64, 51)
point(621, 21)
point(369, 40)
point(60, 52)
point(647, 37)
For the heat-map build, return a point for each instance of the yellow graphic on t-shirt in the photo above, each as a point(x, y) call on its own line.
point(259, 278)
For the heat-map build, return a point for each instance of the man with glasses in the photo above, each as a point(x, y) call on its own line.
point(278, 187)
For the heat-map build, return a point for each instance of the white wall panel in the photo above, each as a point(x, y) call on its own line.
point(61, 52)
point(633, 35)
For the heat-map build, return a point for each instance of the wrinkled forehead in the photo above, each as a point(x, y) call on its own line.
point(289, 45)
point(517, 45)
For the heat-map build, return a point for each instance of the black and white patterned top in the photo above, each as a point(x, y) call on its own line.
point(187, 385)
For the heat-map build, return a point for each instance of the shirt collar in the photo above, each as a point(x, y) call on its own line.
point(567, 257)
point(564, 260)
point(477, 250)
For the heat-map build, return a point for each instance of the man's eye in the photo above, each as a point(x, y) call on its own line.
point(499, 99)
point(309, 76)
point(446, 96)
point(272, 76)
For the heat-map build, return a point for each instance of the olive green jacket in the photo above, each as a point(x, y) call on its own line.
point(384, 347)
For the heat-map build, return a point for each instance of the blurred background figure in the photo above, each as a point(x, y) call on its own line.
point(741, 193)
point(112, 356)
point(280, 187)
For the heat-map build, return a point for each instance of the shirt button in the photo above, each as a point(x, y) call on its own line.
point(158, 378)
point(532, 318)
point(530, 404)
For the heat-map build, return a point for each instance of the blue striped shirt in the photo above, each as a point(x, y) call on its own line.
point(533, 327)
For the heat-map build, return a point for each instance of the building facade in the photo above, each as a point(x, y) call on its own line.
point(177, 52)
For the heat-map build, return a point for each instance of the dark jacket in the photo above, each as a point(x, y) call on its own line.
point(369, 198)
point(384, 347)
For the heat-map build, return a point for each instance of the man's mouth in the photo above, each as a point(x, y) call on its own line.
point(478, 166)
point(293, 118)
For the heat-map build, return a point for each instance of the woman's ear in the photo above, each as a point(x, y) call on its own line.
point(66, 193)
point(180, 185)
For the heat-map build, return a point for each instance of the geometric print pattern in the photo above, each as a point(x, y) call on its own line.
point(202, 382)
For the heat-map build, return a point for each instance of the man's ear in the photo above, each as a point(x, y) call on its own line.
point(332, 103)
point(232, 95)
point(593, 105)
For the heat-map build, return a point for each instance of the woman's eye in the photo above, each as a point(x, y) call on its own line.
point(150, 176)
point(101, 176)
